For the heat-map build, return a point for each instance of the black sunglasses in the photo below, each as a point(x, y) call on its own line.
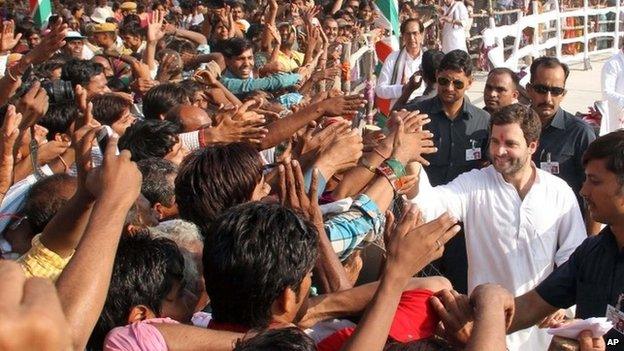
point(457, 84)
point(543, 89)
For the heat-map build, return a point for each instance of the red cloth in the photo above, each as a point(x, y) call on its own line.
point(414, 320)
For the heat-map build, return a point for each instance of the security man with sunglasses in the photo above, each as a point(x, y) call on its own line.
point(564, 137)
point(460, 132)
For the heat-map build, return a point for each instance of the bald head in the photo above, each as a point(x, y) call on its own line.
point(190, 117)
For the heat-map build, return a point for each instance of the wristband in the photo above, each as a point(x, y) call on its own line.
point(397, 167)
point(388, 173)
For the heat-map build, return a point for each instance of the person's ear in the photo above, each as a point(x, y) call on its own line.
point(284, 303)
point(133, 229)
point(140, 313)
point(533, 146)
point(160, 210)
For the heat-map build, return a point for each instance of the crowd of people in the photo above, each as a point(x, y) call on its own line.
point(190, 176)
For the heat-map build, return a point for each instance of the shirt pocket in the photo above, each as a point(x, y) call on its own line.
point(543, 245)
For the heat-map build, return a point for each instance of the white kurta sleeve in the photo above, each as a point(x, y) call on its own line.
point(385, 89)
point(434, 201)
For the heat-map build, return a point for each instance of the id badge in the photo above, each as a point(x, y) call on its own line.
point(473, 154)
point(550, 167)
point(615, 315)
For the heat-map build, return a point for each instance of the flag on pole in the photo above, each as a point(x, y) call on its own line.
point(388, 19)
point(40, 10)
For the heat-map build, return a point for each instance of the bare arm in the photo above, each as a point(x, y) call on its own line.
point(284, 128)
point(530, 309)
point(198, 38)
point(84, 283)
point(180, 337)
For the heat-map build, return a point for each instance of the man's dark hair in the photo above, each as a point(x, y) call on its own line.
point(44, 200)
point(149, 138)
point(80, 71)
point(507, 71)
point(549, 62)
point(144, 272)
point(233, 47)
point(45, 69)
point(109, 107)
point(191, 86)
point(156, 187)
point(131, 28)
point(181, 46)
point(213, 179)
point(421, 27)
point(609, 147)
point(524, 116)
point(431, 60)
point(161, 98)
point(76, 7)
point(59, 118)
point(252, 253)
point(280, 339)
point(457, 60)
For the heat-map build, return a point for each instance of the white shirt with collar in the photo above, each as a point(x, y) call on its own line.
point(510, 241)
point(385, 88)
point(613, 92)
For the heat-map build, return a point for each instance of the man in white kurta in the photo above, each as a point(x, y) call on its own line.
point(400, 65)
point(514, 237)
point(613, 92)
point(454, 22)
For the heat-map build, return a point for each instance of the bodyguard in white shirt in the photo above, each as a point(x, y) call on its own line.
point(400, 65)
point(520, 222)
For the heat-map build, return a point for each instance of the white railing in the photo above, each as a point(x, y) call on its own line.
point(496, 34)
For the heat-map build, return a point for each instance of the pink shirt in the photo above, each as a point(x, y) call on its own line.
point(138, 336)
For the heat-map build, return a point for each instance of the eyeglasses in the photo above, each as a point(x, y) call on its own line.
point(543, 89)
point(457, 84)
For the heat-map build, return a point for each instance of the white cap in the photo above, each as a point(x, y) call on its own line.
point(74, 35)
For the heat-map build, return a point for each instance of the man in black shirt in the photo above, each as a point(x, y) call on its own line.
point(564, 137)
point(460, 132)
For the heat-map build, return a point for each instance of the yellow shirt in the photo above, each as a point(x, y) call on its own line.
point(292, 63)
point(42, 262)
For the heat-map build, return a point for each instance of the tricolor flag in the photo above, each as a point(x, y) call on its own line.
point(388, 18)
point(40, 10)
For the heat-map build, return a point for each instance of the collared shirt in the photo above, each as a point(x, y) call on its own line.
point(592, 278)
point(565, 140)
point(386, 88)
point(362, 223)
point(454, 138)
point(510, 241)
point(613, 92)
point(290, 63)
point(273, 82)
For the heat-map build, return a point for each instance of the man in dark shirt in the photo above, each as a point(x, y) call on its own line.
point(564, 137)
point(460, 132)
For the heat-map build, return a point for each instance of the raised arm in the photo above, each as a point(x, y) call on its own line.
point(84, 283)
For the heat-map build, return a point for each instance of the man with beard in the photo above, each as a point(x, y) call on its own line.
point(520, 221)
point(289, 60)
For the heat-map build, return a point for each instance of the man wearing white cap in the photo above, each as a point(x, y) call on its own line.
point(75, 46)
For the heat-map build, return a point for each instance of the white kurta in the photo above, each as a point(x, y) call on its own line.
point(509, 241)
point(453, 35)
point(613, 92)
point(385, 88)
